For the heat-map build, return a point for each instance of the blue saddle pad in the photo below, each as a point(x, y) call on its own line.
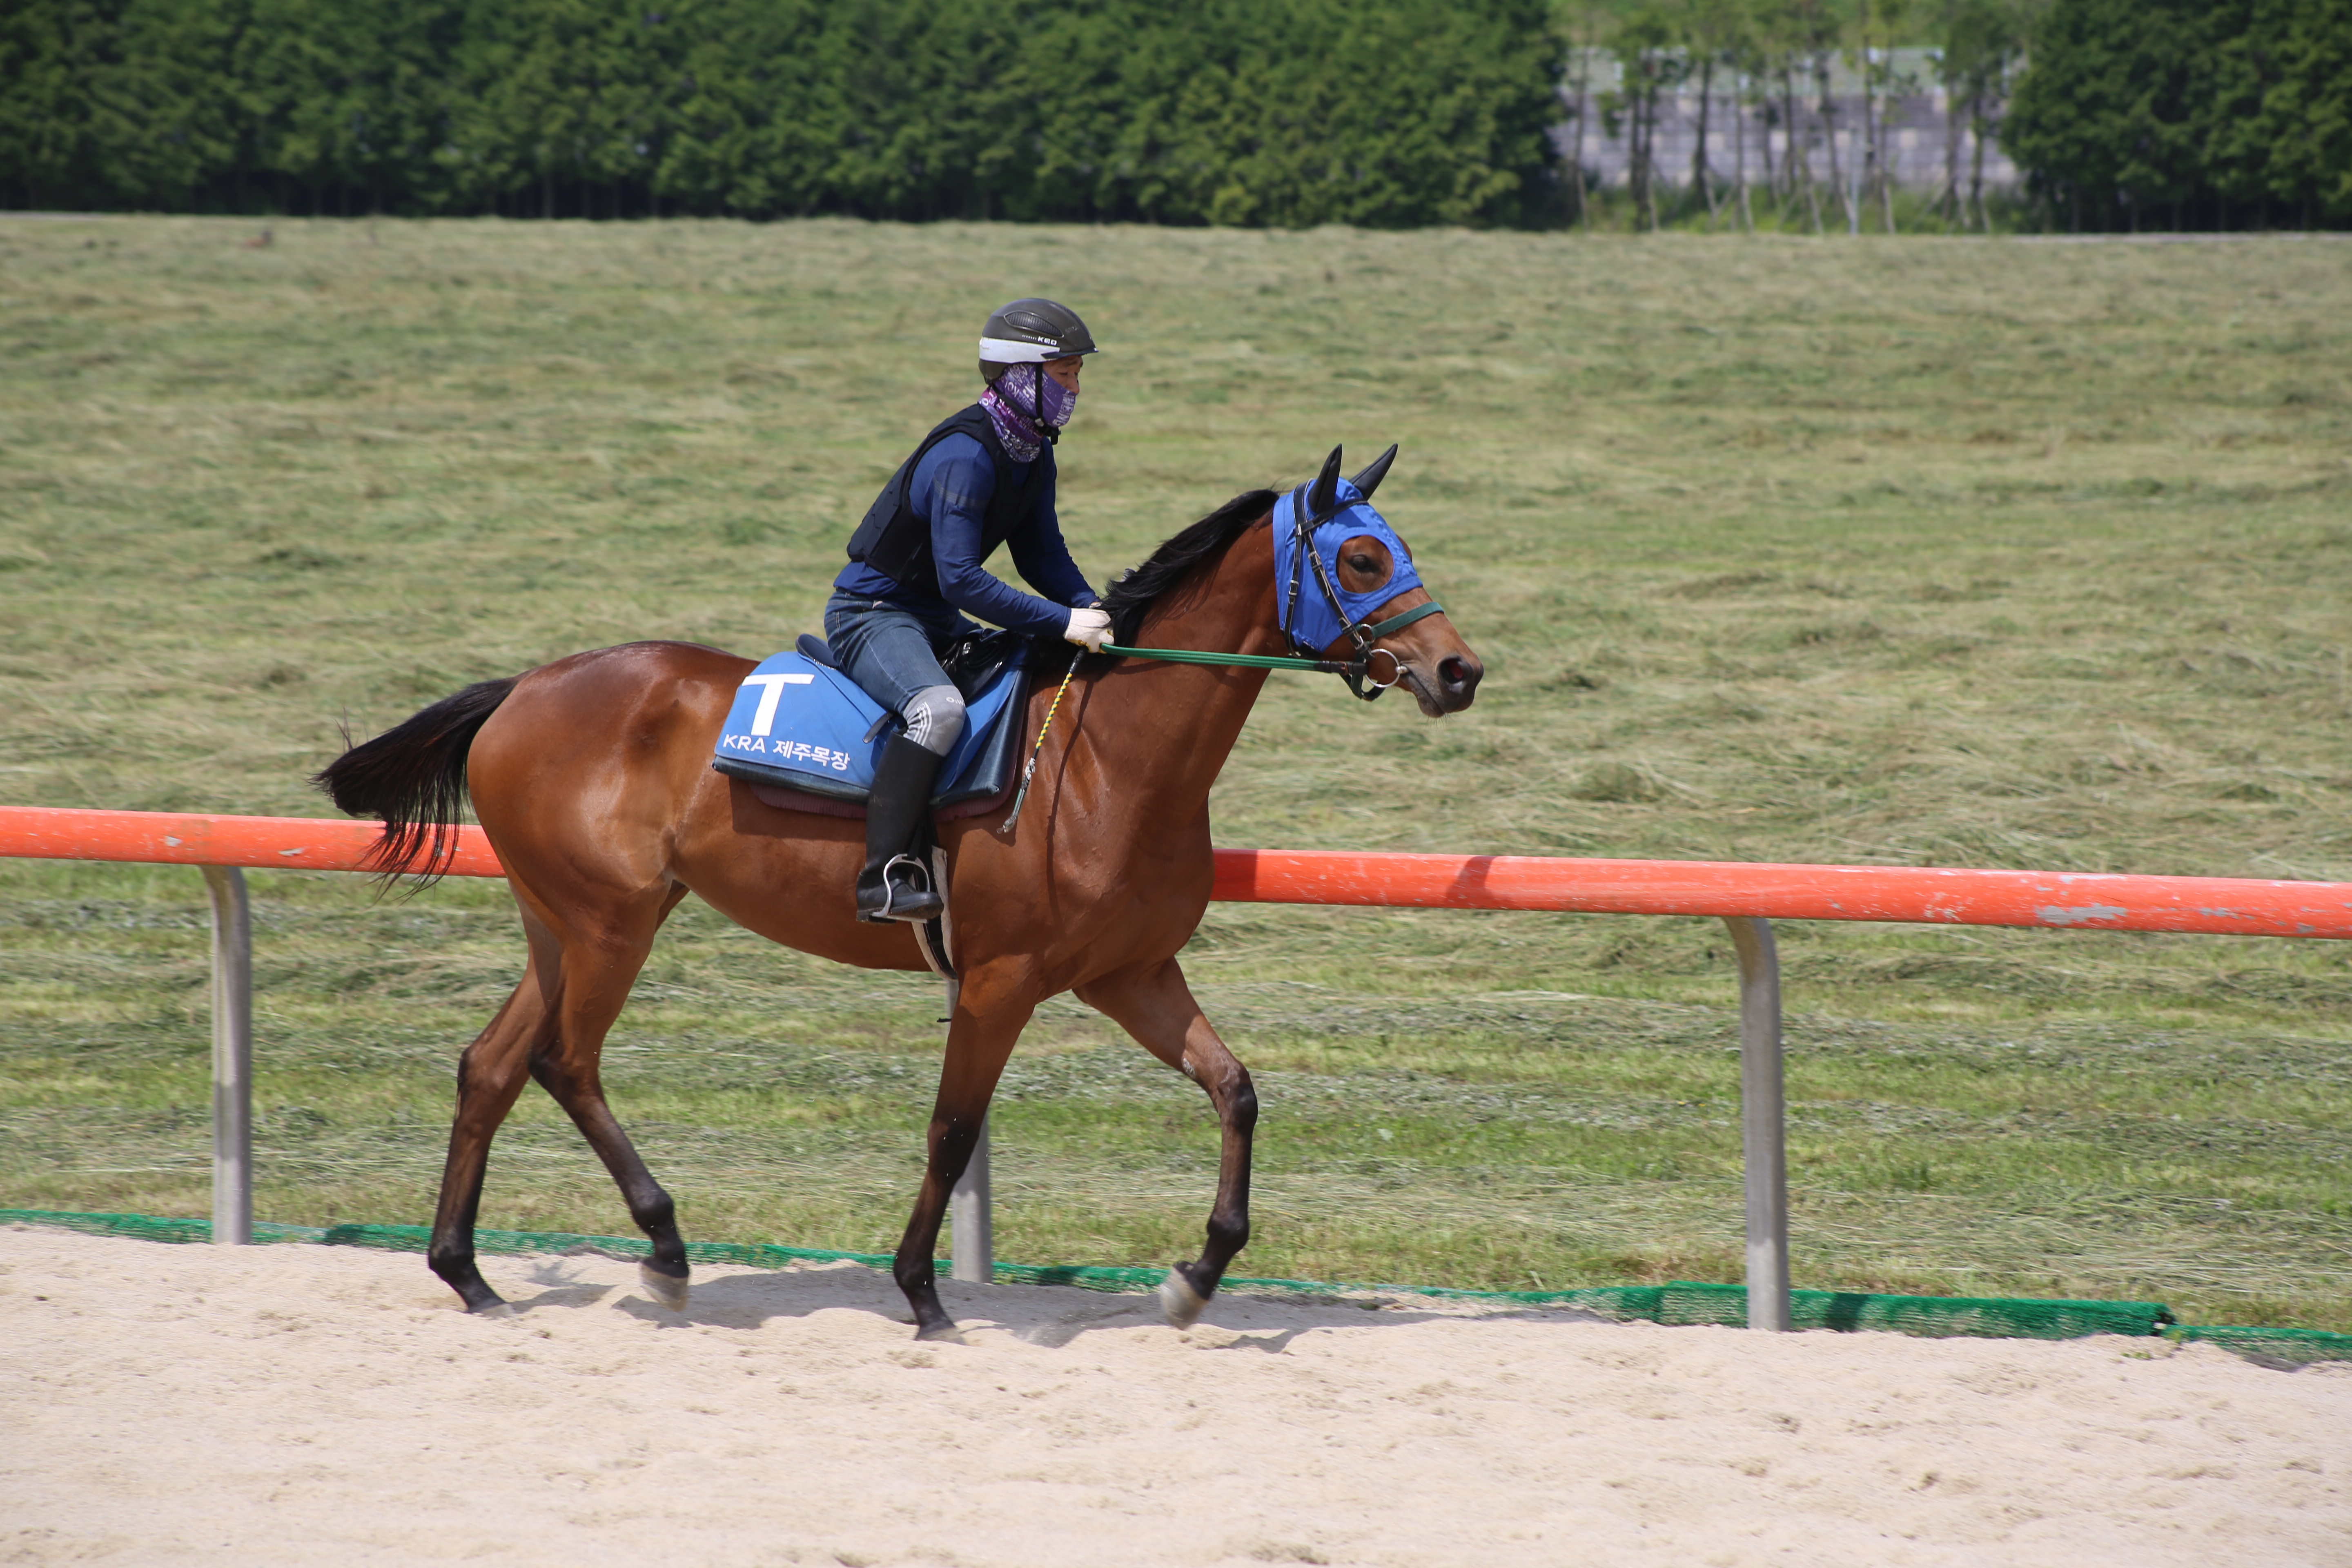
point(799, 725)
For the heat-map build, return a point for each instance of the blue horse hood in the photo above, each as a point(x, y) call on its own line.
point(1306, 614)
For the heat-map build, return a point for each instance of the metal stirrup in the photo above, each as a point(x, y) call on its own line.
point(922, 876)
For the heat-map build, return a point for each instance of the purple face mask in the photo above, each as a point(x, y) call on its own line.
point(1059, 402)
point(1023, 398)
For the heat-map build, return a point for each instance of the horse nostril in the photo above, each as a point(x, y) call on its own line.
point(1457, 674)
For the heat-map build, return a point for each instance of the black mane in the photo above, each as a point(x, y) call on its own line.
point(1134, 591)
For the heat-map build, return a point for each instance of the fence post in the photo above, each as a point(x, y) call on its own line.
point(974, 1224)
point(232, 1057)
point(1762, 1123)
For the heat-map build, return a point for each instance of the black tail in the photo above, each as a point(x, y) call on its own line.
point(414, 777)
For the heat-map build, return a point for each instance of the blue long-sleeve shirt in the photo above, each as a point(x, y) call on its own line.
point(951, 491)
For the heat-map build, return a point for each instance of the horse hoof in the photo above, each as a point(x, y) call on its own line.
point(944, 1333)
point(1179, 1302)
point(667, 1289)
point(479, 1300)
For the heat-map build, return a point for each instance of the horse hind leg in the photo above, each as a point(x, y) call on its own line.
point(551, 1029)
point(665, 1275)
point(567, 1067)
point(1155, 1006)
point(490, 1074)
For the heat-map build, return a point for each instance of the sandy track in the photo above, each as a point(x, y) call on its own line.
point(308, 1405)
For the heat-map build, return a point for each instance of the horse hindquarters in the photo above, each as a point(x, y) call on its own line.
point(592, 777)
point(578, 795)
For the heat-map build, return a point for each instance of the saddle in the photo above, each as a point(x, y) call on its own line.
point(805, 737)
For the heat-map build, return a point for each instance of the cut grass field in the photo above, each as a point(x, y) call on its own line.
point(1994, 553)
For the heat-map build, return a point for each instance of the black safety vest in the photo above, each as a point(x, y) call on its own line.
point(896, 540)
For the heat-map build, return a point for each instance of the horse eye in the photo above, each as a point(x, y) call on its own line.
point(1360, 562)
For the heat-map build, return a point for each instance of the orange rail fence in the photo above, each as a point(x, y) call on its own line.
point(2071, 901)
point(1746, 897)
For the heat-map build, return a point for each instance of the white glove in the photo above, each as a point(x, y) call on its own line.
point(1088, 628)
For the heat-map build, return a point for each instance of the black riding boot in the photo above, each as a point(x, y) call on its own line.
point(896, 885)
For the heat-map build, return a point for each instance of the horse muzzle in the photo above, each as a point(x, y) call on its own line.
point(1446, 684)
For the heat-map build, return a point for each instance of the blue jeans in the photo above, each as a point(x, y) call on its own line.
point(891, 653)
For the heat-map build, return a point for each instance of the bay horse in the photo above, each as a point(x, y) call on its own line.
point(591, 778)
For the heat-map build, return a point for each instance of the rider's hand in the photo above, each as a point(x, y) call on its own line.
point(1088, 628)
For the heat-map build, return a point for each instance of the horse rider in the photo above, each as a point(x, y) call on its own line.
point(982, 478)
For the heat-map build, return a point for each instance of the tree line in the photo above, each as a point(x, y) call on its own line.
point(1378, 112)
point(2189, 113)
point(2122, 114)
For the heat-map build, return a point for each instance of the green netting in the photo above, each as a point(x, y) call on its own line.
point(1677, 1303)
point(1684, 1302)
point(2297, 1346)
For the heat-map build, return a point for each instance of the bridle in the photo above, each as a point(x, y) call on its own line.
point(1362, 635)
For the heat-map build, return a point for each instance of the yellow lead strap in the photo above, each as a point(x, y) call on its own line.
point(1031, 771)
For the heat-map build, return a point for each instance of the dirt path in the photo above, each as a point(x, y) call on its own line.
point(308, 1405)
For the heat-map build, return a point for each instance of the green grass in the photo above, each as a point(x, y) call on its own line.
point(1924, 552)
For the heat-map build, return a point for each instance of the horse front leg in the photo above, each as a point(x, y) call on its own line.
point(989, 1018)
point(1153, 1003)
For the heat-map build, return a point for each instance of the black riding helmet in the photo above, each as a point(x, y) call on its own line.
point(1031, 332)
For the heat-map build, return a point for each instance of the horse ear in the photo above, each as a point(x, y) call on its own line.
point(1324, 496)
point(1374, 472)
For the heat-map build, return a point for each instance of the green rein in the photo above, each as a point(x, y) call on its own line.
point(1280, 661)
